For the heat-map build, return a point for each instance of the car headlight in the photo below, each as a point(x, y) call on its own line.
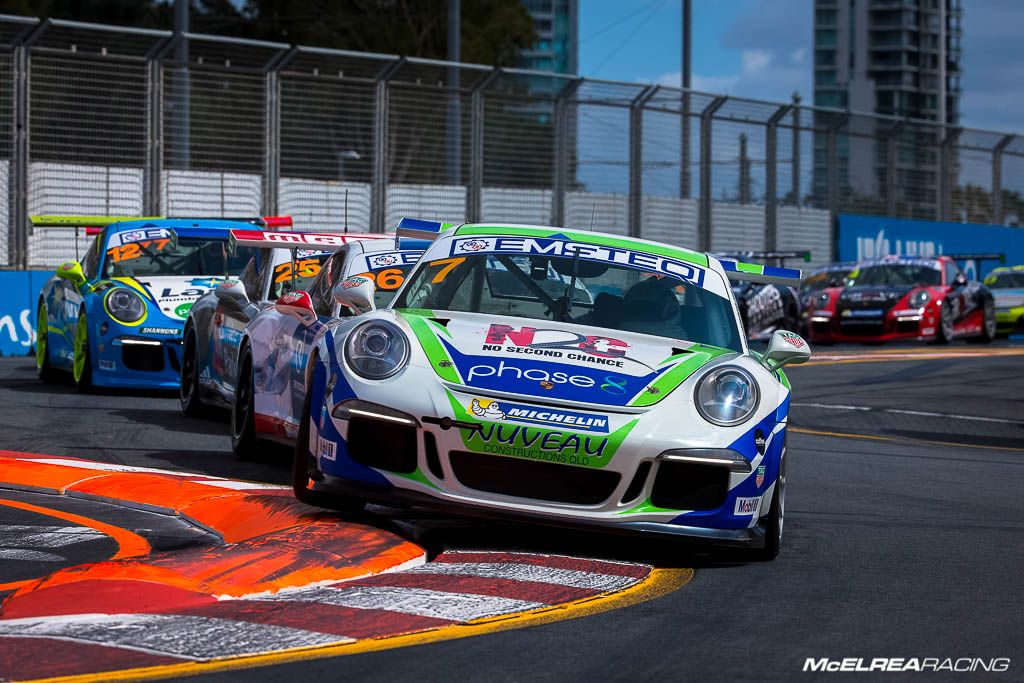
point(919, 299)
point(376, 349)
point(124, 305)
point(726, 396)
point(822, 300)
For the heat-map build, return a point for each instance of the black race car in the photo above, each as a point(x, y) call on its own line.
point(766, 308)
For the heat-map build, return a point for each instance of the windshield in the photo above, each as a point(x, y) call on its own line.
point(604, 295)
point(1005, 281)
point(893, 274)
point(190, 256)
point(387, 281)
point(828, 278)
point(297, 274)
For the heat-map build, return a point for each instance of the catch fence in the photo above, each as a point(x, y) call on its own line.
point(99, 119)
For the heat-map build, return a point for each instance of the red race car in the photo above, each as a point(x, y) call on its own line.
point(905, 297)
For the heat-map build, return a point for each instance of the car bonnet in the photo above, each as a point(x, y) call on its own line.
point(554, 361)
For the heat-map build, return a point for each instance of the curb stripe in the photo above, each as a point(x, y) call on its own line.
point(526, 572)
point(344, 621)
point(25, 658)
point(636, 571)
point(529, 591)
point(419, 601)
point(188, 637)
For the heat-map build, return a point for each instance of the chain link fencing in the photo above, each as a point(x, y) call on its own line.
point(119, 121)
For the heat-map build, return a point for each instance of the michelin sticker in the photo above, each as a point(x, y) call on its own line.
point(486, 409)
point(687, 272)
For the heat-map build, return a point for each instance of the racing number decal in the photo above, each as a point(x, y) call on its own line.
point(133, 250)
point(388, 279)
point(446, 266)
point(303, 268)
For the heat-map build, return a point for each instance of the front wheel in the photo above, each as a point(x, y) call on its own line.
point(774, 519)
point(81, 368)
point(188, 393)
point(944, 334)
point(44, 370)
point(243, 429)
point(988, 325)
point(304, 463)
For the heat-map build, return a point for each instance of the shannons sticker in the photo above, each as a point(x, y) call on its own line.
point(486, 409)
point(687, 272)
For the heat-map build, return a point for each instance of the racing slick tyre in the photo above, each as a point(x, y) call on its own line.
point(944, 334)
point(774, 519)
point(244, 442)
point(44, 370)
point(302, 465)
point(81, 367)
point(988, 325)
point(188, 393)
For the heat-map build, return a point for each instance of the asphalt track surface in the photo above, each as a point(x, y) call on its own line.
point(903, 532)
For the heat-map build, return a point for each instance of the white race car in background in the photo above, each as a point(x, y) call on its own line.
point(627, 399)
point(242, 350)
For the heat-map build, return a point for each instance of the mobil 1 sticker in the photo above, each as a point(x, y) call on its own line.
point(538, 246)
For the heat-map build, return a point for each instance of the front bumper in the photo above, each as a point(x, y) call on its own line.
point(640, 488)
point(885, 328)
point(1010, 321)
point(746, 538)
point(129, 361)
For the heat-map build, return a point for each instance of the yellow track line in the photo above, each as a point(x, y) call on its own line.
point(900, 439)
point(915, 355)
point(659, 582)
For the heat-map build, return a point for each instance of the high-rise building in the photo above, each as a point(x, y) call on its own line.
point(895, 57)
point(557, 25)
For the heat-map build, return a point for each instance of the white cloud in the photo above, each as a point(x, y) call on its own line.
point(755, 61)
point(763, 75)
point(797, 56)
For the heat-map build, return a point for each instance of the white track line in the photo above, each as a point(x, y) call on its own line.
point(919, 413)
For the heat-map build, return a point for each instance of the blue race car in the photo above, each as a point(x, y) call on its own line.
point(116, 318)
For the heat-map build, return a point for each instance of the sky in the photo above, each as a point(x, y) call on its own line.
point(762, 49)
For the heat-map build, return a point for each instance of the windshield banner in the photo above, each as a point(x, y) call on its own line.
point(538, 246)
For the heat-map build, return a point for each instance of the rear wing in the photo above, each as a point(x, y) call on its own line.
point(738, 271)
point(98, 222)
point(320, 241)
point(779, 256)
point(420, 229)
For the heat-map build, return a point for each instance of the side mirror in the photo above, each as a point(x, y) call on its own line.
point(72, 272)
point(232, 294)
point(786, 348)
point(960, 280)
point(298, 305)
point(355, 292)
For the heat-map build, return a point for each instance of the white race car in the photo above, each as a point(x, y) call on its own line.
point(626, 398)
point(246, 339)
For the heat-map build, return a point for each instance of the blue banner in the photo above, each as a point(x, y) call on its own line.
point(862, 237)
point(18, 310)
